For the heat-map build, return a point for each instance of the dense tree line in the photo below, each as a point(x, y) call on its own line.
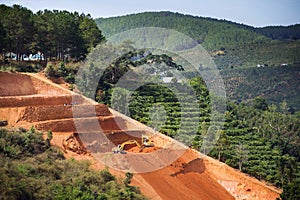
point(291, 32)
point(211, 32)
point(56, 34)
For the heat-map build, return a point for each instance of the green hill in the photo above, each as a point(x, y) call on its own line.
point(211, 33)
point(231, 44)
point(281, 32)
point(233, 47)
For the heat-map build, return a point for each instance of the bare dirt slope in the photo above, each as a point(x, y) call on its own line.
point(31, 100)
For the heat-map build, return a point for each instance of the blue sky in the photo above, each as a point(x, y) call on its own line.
point(251, 12)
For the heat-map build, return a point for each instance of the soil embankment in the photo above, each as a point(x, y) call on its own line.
point(166, 171)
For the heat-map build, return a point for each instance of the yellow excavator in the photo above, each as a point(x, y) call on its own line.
point(145, 143)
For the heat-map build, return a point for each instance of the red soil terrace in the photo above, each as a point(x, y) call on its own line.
point(32, 100)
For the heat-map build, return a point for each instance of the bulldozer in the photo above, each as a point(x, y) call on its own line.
point(145, 143)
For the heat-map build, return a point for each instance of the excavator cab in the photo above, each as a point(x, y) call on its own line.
point(146, 142)
point(118, 149)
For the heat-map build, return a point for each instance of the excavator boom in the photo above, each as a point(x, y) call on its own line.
point(145, 143)
point(129, 142)
point(120, 147)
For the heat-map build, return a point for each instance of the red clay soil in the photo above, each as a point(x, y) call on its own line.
point(136, 149)
point(81, 124)
point(36, 100)
point(186, 178)
point(31, 99)
point(44, 113)
point(241, 185)
point(39, 113)
point(16, 84)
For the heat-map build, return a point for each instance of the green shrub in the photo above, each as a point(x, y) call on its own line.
point(30, 169)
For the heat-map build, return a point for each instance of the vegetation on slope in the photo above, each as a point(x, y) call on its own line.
point(276, 53)
point(233, 46)
point(261, 140)
point(281, 32)
point(98, 77)
point(275, 84)
point(211, 33)
point(238, 45)
point(32, 169)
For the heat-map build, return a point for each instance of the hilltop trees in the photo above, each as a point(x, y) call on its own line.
point(89, 32)
point(108, 63)
point(2, 37)
point(211, 33)
point(59, 35)
point(18, 26)
point(242, 46)
point(260, 103)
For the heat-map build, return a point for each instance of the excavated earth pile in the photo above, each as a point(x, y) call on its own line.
point(83, 128)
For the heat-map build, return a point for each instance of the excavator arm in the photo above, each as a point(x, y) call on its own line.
point(145, 143)
point(129, 142)
point(120, 147)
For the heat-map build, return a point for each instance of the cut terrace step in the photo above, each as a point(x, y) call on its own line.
point(100, 141)
point(45, 113)
point(82, 124)
point(40, 100)
point(18, 84)
point(104, 141)
point(20, 90)
point(115, 136)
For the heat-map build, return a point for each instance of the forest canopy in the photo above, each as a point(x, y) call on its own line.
point(58, 35)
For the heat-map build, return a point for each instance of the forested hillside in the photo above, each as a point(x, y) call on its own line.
point(231, 44)
point(211, 33)
point(234, 47)
point(281, 32)
point(275, 84)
